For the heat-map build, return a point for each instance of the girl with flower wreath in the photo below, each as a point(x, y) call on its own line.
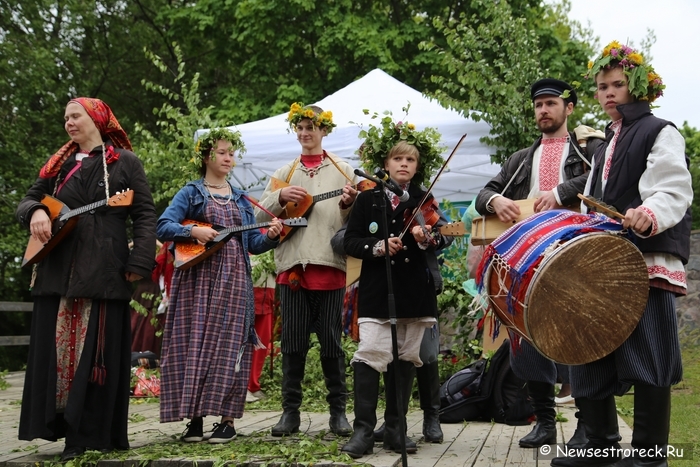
point(642, 170)
point(78, 373)
point(209, 334)
point(404, 153)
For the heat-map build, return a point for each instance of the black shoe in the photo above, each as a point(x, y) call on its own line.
point(334, 376)
point(194, 432)
point(288, 424)
point(397, 405)
point(359, 445)
point(432, 432)
point(579, 439)
point(599, 418)
point(71, 452)
point(293, 366)
point(428, 379)
point(379, 433)
point(223, 433)
point(545, 431)
point(539, 436)
point(392, 443)
point(366, 394)
point(339, 425)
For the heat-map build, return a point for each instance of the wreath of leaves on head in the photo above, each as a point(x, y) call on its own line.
point(206, 142)
point(298, 111)
point(643, 82)
point(378, 141)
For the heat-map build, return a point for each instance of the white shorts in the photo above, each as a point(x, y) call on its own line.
point(375, 349)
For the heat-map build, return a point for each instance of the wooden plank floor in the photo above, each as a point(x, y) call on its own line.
point(471, 444)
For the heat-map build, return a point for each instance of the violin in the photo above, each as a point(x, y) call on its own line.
point(428, 195)
point(426, 214)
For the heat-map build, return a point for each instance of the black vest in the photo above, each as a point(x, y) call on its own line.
point(637, 136)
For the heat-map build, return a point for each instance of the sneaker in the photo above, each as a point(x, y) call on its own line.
point(194, 432)
point(259, 394)
point(563, 400)
point(223, 433)
point(250, 397)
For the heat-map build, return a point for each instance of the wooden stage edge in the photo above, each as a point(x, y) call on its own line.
point(469, 444)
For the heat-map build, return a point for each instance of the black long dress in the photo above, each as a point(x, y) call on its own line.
point(81, 322)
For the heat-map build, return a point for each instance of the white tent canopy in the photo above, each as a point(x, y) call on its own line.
point(269, 145)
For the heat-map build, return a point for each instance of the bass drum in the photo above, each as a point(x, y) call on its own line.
point(582, 302)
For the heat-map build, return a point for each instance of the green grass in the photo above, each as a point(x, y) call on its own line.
point(685, 407)
point(297, 450)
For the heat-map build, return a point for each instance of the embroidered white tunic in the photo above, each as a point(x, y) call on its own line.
point(666, 191)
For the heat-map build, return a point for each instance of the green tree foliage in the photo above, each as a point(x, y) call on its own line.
point(30, 87)
point(692, 149)
point(257, 57)
point(246, 59)
point(486, 80)
point(168, 156)
point(52, 51)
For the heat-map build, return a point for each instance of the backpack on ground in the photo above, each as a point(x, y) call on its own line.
point(488, 391)
point(462, 389)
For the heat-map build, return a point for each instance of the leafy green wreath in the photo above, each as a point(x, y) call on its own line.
point(205, 143)
point(378, 141)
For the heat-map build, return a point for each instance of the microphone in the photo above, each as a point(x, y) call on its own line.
point(392, 185)
point(360, 173)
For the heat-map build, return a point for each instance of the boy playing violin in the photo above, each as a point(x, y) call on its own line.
point(413, 285)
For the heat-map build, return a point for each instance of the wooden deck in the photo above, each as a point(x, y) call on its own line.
point(472, 444)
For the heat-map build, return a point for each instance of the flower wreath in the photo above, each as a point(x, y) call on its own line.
point(378, 141)
point(643, 82)
point(205, 143)
point(298, 111)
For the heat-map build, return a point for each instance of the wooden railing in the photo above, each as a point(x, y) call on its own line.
point(15, 306)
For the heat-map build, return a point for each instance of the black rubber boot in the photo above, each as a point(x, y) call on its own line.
point(334, 373)
point(599, 417)
point(428, 378)
point(406, 372)
point(366, 395)
point(293, 366)
point(545, 430)
point(578, 439)
point(652, 418)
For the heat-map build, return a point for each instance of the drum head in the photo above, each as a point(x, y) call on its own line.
point(586, 299)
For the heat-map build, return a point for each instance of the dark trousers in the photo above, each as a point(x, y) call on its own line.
point(306, 311)
point(651, 355)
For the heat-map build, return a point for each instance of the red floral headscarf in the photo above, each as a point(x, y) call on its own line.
point(106, 123)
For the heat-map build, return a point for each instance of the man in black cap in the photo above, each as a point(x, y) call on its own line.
point(552, 171)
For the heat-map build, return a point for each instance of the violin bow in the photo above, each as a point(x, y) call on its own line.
point(430, 188)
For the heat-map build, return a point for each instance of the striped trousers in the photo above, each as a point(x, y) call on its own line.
point(530, 365)
point(306, 311)
point(651, 355)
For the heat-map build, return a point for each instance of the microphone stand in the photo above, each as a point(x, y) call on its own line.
point(394, 339)
point(392, 321)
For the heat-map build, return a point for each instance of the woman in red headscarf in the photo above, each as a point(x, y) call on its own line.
point(78, 374)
